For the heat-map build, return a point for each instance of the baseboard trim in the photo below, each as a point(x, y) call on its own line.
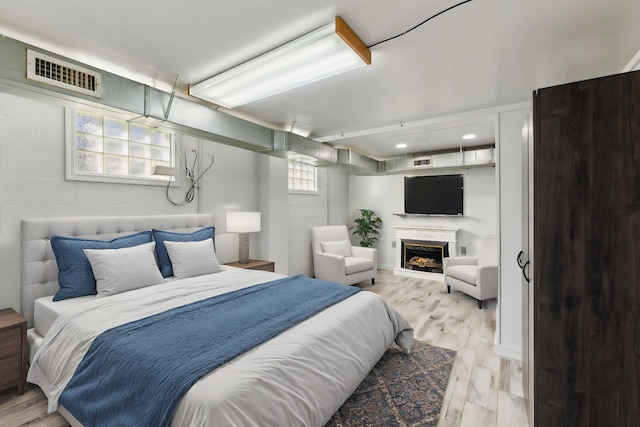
point(509, 352)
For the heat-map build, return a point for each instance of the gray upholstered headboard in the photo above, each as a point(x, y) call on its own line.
point(39, 271)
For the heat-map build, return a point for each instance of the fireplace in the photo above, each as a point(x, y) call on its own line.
point(423, 255)
point(442, 241)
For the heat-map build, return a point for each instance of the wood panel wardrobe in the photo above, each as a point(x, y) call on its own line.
point(586, 235)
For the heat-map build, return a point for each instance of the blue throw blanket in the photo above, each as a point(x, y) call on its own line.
point(136, 374)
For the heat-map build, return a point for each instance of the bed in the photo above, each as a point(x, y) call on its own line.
point(300, 376)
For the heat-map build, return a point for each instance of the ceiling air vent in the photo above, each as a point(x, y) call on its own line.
point(421, 162)
point(53, 71)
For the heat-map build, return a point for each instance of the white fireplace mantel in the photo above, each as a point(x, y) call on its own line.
point(433, 234)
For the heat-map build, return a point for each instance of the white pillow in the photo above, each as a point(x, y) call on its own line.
point(190, 259)
point(341, 247)
point(120, 270)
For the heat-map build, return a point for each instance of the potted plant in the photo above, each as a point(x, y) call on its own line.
point(367, 227)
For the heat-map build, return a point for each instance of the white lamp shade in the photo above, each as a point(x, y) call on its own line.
point(243, 222)
point(325, 52)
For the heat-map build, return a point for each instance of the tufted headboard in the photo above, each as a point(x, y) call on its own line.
point(39, 271)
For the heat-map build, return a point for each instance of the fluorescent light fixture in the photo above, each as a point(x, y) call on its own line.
point(469, 136)
point(325, 52)
point(243, 223)
point(401, 145)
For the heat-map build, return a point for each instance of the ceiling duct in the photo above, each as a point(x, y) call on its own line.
point(79, 85)
point(295, 147)
point(357, 163)
point(120, 94)
point(419, 163)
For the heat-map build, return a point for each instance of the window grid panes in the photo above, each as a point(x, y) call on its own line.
point(302, 177)
point(109, 147)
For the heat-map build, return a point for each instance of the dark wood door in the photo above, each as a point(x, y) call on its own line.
point(587, 243)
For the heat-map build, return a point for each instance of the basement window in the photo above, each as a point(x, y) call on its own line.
point(111, 149)
point(303, 178)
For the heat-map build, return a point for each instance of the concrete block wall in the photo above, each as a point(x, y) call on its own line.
point(305, 211)
point(33, 185)
point(328, 207)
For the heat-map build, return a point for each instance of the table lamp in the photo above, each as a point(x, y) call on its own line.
point(243, 223)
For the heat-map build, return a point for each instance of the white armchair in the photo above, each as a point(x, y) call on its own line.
point(334, 259)
point(475, 276)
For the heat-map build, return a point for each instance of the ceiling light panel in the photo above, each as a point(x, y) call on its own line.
point(325, 52)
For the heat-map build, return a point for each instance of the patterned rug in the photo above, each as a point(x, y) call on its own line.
point(401, 390)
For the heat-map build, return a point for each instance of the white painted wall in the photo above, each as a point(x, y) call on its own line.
point(328, 207)
point(338, 196)
point(231, 185)
point(385, 195)
point(306, 211)
point(274, 206)
point(509, 145)
point(32, 185)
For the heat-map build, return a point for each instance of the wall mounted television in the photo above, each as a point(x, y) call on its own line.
point(434, 195)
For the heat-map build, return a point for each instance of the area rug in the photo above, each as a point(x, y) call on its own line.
point(402, 390)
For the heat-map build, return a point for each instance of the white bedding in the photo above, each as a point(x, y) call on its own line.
point(301, 377)
point(46, 311)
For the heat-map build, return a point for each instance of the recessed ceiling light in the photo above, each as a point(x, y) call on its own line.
point(401, 145)
point(469, 136)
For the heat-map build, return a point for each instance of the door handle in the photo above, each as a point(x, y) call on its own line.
point(524, 272)
point(519, 259)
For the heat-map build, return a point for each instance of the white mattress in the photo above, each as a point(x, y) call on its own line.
point(46, 311)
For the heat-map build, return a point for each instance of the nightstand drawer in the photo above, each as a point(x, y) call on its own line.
point(10, 369)
point(13, 350)
point(10, 342)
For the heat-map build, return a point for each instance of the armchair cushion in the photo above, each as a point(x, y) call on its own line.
point(340, 247)
point(361, 252)
point(466, 273)
point(356, 265)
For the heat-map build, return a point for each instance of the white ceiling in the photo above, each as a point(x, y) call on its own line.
point(482, 54)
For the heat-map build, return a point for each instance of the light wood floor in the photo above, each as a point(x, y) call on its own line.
point(484, 390)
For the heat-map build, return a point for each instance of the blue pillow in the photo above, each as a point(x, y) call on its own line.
point(161, 250)
point(75, 276)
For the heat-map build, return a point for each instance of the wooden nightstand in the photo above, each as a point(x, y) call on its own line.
point(13, 350)
point(255, 264)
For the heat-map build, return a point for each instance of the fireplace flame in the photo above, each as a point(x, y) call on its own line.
point(423, 262)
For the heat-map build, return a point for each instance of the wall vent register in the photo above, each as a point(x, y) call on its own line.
point(421, 162)
point(53, 71)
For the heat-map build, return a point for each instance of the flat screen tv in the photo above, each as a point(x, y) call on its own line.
point(434, 195)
